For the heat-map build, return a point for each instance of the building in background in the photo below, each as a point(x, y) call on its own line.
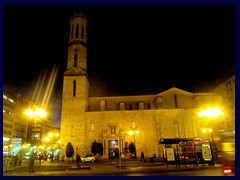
point(18, 129)
point(225, 86)
point(15, 124)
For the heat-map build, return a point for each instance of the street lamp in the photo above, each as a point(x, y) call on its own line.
point(209, 113)
point(209, 131)
point(133, 132)
point(52, 138)
point(35, 113)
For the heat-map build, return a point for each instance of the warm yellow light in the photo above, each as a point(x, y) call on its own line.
point(216, 112)
point(210, 112)
point(50, 134)
point(133, 132)
point(205, 130)
point(40, 112)
point(24, 146)
point(30, 113)
point(41, 147)
point(46, 139)
point(57, 134)
point(59, 141)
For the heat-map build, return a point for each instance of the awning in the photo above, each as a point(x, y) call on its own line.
point(174, 140)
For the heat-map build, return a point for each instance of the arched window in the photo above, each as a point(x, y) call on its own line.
point(77, 30)
point(75, 60)
point(74, 88)
point(82, 31)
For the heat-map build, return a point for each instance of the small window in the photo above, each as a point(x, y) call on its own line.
point(130, 106)
point(72, 30)
point(148, 106)
point(75, 60)
point(74, 88)
point(77, 30)
point(82, 31)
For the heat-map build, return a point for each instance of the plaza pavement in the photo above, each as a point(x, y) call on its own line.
point(102, 168)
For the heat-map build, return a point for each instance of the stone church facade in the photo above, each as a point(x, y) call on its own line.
point(169, 114)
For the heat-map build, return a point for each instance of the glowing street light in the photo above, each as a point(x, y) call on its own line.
point(209, 131)
point(35, 113)
point(50, 138)
point(209, 113)
point(133, 133)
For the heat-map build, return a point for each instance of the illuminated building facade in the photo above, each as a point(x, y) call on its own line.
point(169, 114)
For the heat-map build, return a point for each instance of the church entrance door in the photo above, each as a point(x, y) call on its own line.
point(113, 150)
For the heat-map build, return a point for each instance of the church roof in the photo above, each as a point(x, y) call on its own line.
point(174, 90)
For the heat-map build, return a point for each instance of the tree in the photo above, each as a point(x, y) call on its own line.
point(132, 147)
point(69, 150)
point(97, 148)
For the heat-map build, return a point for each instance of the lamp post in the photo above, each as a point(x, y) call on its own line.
point(51, 138)
point(35, 113)
point(209, 113)
point(133, 132)
point(120, 147)
point(209, 131)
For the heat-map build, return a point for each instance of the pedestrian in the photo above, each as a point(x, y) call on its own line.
point(63, 158)
point(154, 156)
point(142, 157)
point(15, 160)
point(31, 163)
point(40, 158)
point(20, 160)
point(78, 160)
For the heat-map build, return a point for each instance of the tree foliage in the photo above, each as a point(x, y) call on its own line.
point(69, 150)
point(97, 148)
point(132, 148)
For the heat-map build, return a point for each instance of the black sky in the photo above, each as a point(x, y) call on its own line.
point(132, 49)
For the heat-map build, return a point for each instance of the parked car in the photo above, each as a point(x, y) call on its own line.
point(88, 158)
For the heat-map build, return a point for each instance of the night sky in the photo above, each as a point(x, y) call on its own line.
point(132, 49)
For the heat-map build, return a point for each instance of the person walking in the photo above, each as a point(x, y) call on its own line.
point(63, 158)
point(78, 160)
point(40, 158)
point(20, 160)
point(15, 160)
point(142, 157)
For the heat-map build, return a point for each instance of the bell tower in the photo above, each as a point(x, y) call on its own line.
point(75, 87)
point(77, 46)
